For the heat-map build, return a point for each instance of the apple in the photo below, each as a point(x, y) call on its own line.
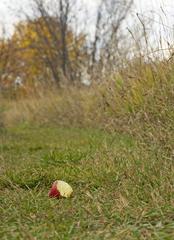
point(60, 189)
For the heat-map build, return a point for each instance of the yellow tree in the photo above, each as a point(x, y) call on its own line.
point(40, 50)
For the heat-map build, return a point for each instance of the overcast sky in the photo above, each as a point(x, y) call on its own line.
point(9, 9)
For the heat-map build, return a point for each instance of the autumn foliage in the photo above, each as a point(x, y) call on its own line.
point(37, 55)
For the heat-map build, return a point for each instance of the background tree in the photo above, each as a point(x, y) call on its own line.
point(109, 33)
point(40, 50)
point(66, 48)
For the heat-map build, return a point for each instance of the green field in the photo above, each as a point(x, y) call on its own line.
point(123, 189)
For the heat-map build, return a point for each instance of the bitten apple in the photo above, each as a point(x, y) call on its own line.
point(60, 189)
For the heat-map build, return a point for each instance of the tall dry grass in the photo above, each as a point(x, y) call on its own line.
point(138, 100)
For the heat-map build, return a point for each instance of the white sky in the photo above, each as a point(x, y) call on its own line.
point(9, 9)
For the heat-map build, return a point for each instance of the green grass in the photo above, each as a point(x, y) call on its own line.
point(123, 189)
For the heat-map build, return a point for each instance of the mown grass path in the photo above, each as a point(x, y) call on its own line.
point(122, 189)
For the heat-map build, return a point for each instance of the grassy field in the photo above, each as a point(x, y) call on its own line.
point(123, 189)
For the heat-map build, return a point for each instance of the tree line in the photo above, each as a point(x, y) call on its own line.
point(51, 47)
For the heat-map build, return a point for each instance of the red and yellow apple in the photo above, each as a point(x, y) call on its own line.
point(60, 189)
